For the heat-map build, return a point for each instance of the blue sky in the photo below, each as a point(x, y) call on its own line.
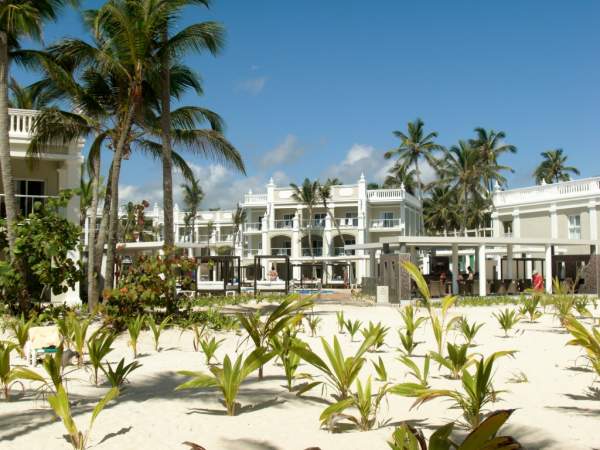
point(315, 88)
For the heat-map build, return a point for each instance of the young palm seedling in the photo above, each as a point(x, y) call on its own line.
point(411, 324)
point(20, 331)
point(288, 313)
point(118, 376)
point(60, 403)
point(483, 437)
point(507, 319)
point(477, 387)
point(210, 347)
point(457, 359)
point(9, 376)
point(352, 328)
point(363, 401)
point(157, 329)
point(229, 377)
point(340, 321)
point(469, 330)
point(341, 371)
point(134, 327)
point(588, 340)
point(530, 306)
point(421, 375)
point(313, 324)
point(99, 345)
point(380, 370)
point(282, 345)
point(379, 332)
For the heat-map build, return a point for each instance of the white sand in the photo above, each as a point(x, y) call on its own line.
point(554, 412)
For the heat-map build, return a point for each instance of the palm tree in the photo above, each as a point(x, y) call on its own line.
point(18, 19)
point(308, 195)
point(415, 145)
point(490, 144)
point(462, 167)
point(401, 175)
point(34, 96)
point(440, 210)
point(553, 169)
point(198, 37)
point(239, 218)
point(325, 196)
point(192, 197)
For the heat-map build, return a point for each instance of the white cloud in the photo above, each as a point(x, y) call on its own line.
point(286, 152)
point(252, 86)
point(360, 159)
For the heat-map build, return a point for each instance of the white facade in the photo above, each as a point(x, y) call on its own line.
point(53, 171)
point(278, 225)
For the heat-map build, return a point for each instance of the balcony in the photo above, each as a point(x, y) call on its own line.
point(253, 227)
point(21, 122)
point(251, 252)
point(314, 223)
point(255, 199)
point(281, 251)
point(385, 195)
point(25, 203)
point(341, 251)
point(317, 251)
point(386, 223)
point(548, 192)
point(284, 224)
point(347, 222)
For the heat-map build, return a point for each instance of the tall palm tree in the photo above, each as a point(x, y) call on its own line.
point(18, 19)
point(308, 195)
point(401, 175)
point(192, 197)
point(462, 167)
point(239, 219)
point(325, 197)
point(34, 96)
point(198, 37)
point(491, 145)
point(415, 145)
point(553, 168)
point(440, 210)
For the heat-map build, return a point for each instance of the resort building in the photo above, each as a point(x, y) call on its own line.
point(36, 181)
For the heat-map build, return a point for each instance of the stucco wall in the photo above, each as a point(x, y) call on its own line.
point(41, 170)
point(534, 225)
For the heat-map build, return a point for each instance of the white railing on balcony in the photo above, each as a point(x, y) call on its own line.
point(314, 223)
point(21, 122)
point(283, 251)
point(25, 203)
point(385, 194)
point(255, 198)
point(474, 232)
point(548, 192)
point(249, 252)
point(341, 251)
point(386, 223)
point(253, 226)
point(317, 251)
point(284, 224)
point(347, 222)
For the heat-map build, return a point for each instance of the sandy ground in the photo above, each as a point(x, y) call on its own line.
point(554, 411)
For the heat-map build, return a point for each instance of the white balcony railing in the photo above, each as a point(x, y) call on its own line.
point(21, 122)
point(283, 251)
point(255, 199)
point(314, 223)
point(284, 224)
point(250, 252)
point(386, 223)
point(347, 222)
point(548, 192)
point(317, 251)
point(384, 195)
point(341, 251)
point(253, 226)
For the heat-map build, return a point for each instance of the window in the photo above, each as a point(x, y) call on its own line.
point(575, 226)
point(351, 219)
point(507, 226)
point(388, 219)
point(288, 220)
point(320, 219)
point(28, 192)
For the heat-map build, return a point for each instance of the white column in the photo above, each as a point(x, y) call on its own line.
point(496, 224)
point(553, 222)
point(482, 271)
point(509, 261)
point(548, 269)
point(455, 269)
point(516, 224)
point(499, 267)
point(327, 251)
point(593, 213)
point(528, 267)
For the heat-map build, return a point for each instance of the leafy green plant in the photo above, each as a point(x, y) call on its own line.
point(282, 345)
point(228, 378)
point(341, 371)
point(134, 327)
point(588, 340)
point(9, 376)
point(411, 324)
point(340, 321)
point(313, 324)
point(365, 403)
point(469, 331)
point(20, 331)
point(421, 375)
point(210, 347)
point(507, 319)
point(408, 342)
point(457, 359)
point(477, 387)
point(529, 307)
point(378, 331)
point(352, 327)
point(157, 328)
point(99, 345)
point(60, 403)
point(380, 369)
point(483, 437)
point(262, 331)
point(581, 304)
point(118, 376)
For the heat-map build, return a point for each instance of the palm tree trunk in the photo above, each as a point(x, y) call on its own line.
point(91, 244)
point(10, 201)
point(103, 231)
point(113, 222)
point(167, 162)
point(465, 211)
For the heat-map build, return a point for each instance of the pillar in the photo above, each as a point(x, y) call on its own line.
point(455, 269)
point(509, 261)
point(593, 215)
point(548, 269)
point(482, 271)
